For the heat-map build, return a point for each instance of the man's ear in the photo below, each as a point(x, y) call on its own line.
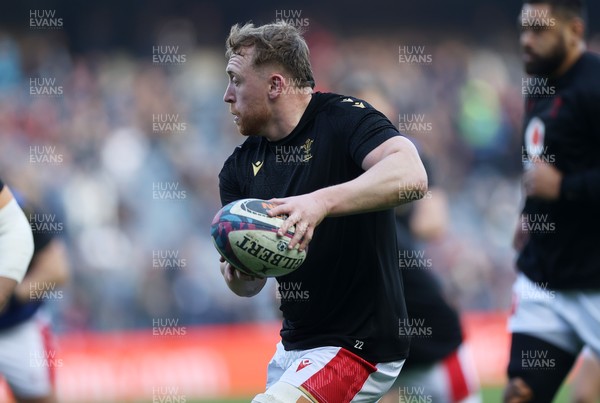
point(577, 28)
point(276, 83)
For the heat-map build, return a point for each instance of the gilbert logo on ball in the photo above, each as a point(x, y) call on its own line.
point(246, 236)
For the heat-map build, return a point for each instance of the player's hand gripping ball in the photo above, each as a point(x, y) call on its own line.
point(246, 236)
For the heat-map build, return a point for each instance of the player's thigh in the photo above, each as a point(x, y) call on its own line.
point(453, 379)
point(279, 363)
point(281, 392)
point(422, 383)
point(27, 361)
point(334, 374)
point(586, 384)
point(543, 314)
point(583, 310)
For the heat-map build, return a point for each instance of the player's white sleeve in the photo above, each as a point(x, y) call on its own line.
point(16, 242)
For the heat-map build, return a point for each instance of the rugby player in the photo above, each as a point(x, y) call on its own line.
point(27, 359)
point(343, 343)
point(557, 291)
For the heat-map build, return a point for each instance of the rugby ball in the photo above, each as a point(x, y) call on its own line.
point(246, 236)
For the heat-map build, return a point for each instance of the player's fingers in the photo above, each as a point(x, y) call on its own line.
point(300, 231)
point(227, 272)
point(306, 240)
point(288, 223)
point(275, 211)
point(295, 240)
point(528, 183)
point(243, 276)
point(278, 208)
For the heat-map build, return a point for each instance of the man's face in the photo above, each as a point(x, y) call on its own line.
point(247, 93)
point(542, 39)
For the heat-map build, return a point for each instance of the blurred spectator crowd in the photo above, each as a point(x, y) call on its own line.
point(124, 152)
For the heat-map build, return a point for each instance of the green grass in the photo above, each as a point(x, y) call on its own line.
point(489, 394)
point(494, 395)
point(246, 400)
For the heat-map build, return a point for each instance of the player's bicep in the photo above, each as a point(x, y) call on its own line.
point(364, 131)
point(53, 261)
point(7, 286)
point(399, 145)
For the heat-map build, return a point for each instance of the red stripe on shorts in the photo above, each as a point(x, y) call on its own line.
point(458, 384)
point(340, 379)
point(49, 350)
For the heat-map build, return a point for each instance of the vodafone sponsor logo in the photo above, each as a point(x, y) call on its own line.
point(535, 149)
point(534, 137)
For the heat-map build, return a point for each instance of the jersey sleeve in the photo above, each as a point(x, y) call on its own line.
point(427, 164)
point(586, 185)
point(229, 185)
point(41, 239)
point(367, 128)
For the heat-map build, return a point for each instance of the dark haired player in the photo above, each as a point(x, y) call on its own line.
point(350, 168)
point(16, 244)
point(25, 334)
point(557, 292)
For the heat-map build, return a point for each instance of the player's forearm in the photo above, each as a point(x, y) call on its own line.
point(49, 269)
point(392, 181)
point(429, 220)
point(7, 285)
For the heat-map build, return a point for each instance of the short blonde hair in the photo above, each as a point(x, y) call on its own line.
point(279, 43)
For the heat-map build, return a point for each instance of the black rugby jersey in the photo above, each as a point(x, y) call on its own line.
point(562, 127)
point(349, 291)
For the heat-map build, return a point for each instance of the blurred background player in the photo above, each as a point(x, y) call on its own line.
point(16, 244)
point(356, 168)
point(557, 291)
point(26, 352)
point(439, 366)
